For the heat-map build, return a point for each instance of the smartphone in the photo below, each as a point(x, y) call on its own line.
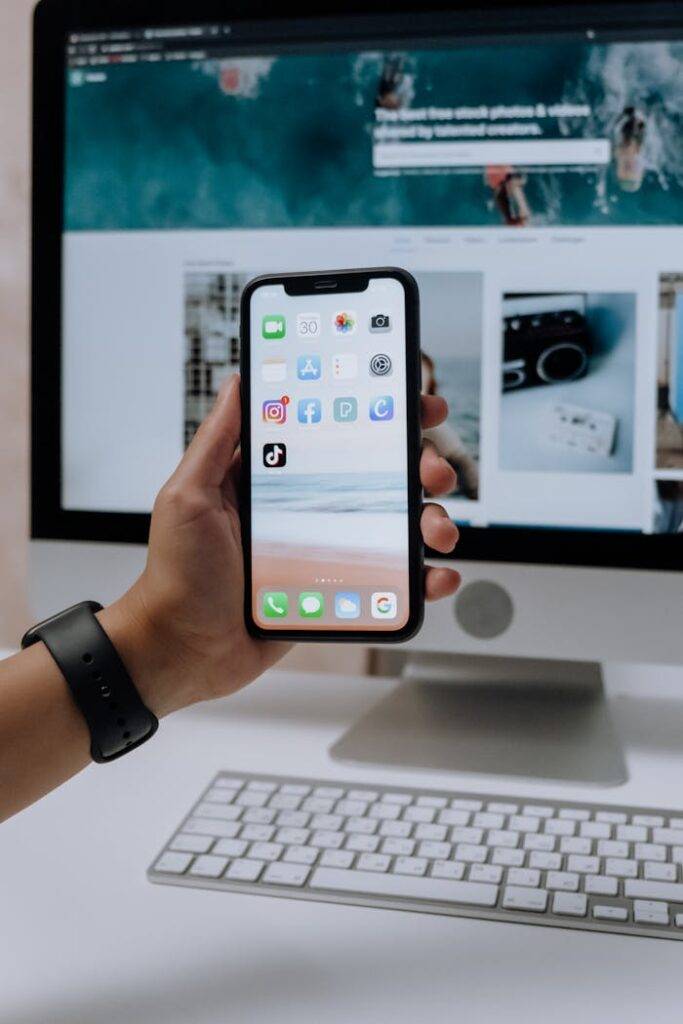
point(330, 365)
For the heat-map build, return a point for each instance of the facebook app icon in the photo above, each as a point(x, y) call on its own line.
point(310, 410)
point(382, 408)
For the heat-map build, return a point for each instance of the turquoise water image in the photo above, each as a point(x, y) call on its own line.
point(283, 142)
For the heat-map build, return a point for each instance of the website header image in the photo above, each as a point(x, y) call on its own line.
point(573, 133)
point(568, 383)
point(669, 454)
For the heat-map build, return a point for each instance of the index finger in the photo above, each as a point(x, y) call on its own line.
point(434, 410)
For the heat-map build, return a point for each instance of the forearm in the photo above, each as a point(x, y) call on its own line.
point(44, 739)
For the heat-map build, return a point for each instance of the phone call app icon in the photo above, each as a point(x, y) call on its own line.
point(275, 605)
point(274, 456)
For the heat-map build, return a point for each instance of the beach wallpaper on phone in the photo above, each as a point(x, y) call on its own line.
point(329, 476)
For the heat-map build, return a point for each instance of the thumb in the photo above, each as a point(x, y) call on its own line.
point(210, 454)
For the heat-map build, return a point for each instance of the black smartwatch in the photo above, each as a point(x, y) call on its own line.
point(116, 715)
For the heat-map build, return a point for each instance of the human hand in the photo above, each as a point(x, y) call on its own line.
point(180, 629)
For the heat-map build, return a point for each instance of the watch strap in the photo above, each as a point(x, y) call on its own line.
point(117, 718)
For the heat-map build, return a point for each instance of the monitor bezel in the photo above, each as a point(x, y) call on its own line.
point(53, 19)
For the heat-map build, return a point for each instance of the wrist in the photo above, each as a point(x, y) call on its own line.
point(151, 660)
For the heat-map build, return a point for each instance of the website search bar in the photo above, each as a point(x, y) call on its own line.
point(519, 153)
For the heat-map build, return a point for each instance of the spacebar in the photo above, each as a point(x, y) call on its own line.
point(438, 890)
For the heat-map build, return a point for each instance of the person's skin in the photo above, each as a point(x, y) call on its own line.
point(180, 628)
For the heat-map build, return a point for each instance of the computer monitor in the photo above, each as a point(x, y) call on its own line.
point(525, 162)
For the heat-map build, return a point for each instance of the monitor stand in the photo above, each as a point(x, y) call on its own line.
point(496, 716)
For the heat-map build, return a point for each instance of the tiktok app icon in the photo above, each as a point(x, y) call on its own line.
point(274, 456)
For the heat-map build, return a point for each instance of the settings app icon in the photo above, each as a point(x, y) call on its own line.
point(380, 365)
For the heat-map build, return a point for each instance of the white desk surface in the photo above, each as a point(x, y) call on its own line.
point(85, 939)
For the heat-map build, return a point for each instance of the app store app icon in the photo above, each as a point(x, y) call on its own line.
point(345, 409)
point(308, 367)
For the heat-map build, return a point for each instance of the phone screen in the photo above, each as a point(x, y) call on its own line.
point(329, 458)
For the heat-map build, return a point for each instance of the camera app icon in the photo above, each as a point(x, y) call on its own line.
point(275, 410)
point(380, 323)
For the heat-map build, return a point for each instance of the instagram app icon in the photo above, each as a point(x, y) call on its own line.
point(275, 410)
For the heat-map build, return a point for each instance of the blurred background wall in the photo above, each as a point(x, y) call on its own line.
point(15, 63)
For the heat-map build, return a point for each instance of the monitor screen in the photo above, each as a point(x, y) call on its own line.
point(532, 183)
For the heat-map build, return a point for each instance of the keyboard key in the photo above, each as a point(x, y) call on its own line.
point(434, 851)
point(650, 912)
point(600, 885)
point(596, 829)
point(656, 872)
point(209, 866)
point(244, 870)
point(524, 876)
point(568, 881)
point(435, 832)
point(259, 816)
point(648, 820)
point(574, 814)
point(188, 843)
point(453, 817)
point(350, 808)
point(410, 865)
point(220, 796)
point(466, 805)
point(364, 825)
point(501, 837)
point(485, 819)
point(644, 890)
point(426, 814)
point(650, 851)
point(368, 796)
point(292, 836)
point(678, 920)
point(332, 792)
point(326, 822)
point(173, 863)
point(286, 874)
point(261, 786)
point(231, 847)
point(539, 841)
point(385, 812)
point(621, 867)
point(515, 898)
point(610, 913)
point(613, 848)
point(373, 862)
point(295, 789)
point(557, 827)
point(247, 798)
point(403, 799)
point(570, 904)
point(226, 812)
point(631, 833)
point(502, 808)
point(668, 836)
point(301, 855)
point(258, 833)
point(538, 811)
point(327, 840)
point(432, 801)
point(336, 858)
point(471, 854)
point(318, 805)
point(229, 781)
point(285, 802)
point(398, 847)
point(362, 843)
point(265, 851)
point(583, 865)
point(575, 844)
point(545, 861)
point(212, 827)
point(485, 873)
point(508, 858)
point(612, 817)
point(466, 834)
point(398, 829)
point(523, 823)
point(293, 819)
point(449, 869)
point(405, 887)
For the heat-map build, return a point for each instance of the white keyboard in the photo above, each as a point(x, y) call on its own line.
point(569, 865)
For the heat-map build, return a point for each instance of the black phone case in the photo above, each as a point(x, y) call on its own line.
point(305, 284)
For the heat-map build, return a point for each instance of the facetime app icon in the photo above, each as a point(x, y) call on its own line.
point(273, 327)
